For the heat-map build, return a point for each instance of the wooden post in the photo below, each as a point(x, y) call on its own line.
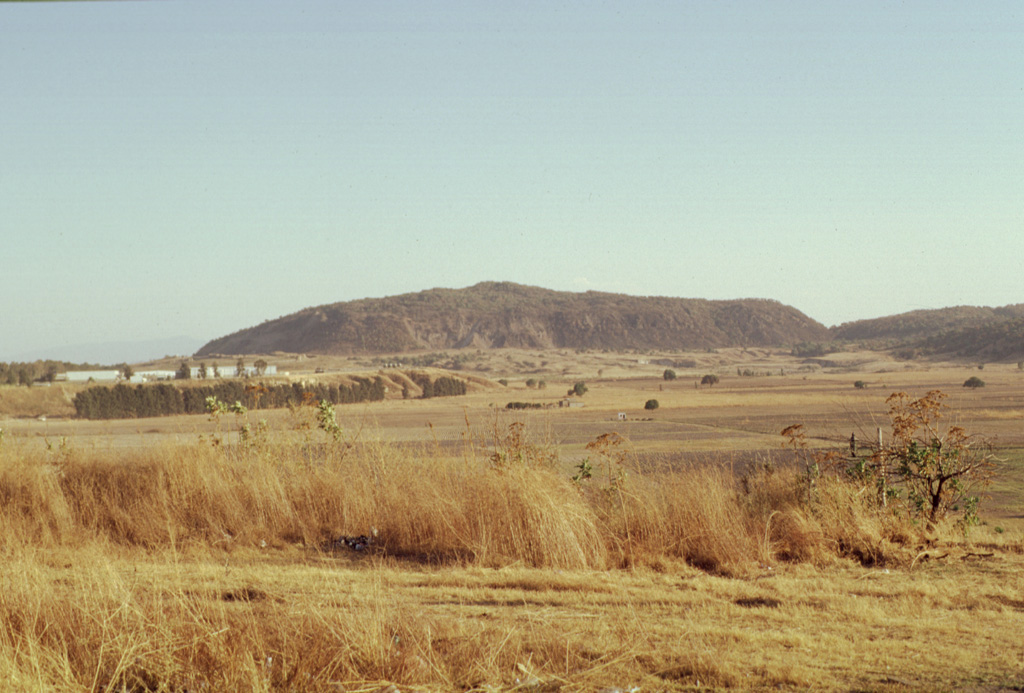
point(881, 469)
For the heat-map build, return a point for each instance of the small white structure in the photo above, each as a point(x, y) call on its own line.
point(149, 376)
point(86, 376)
point(231, 371)
point(109, 376)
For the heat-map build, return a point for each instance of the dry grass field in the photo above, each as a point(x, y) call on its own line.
point(145, 555)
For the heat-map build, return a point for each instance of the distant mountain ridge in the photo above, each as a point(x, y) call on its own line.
point(925, 323)
point(976, 332)
point(504, 314)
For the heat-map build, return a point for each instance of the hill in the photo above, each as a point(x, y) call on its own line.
point(963, 331)
point(502, 314)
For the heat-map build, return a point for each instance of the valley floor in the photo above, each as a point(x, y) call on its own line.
point(167, 555)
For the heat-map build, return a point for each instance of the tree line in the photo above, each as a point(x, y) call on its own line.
point(166, 399)
point(444, 386)
point(43, 371)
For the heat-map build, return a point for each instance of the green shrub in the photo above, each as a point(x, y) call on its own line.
point(651, 404)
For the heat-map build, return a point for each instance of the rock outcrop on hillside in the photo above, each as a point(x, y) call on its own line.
point(502, 314)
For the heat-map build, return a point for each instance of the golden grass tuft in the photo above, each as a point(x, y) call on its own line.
point(422, 505)
point(430, 508)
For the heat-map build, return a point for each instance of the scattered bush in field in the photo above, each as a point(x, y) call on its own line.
point(531, 383)
point(860, 384)
point(524, 405)
point(503, 381)
point(710, 380)
point(974, 382)
point(669, 374)
point(651, 404)
point(940, 469)
point(579, 389)
point(928, 470)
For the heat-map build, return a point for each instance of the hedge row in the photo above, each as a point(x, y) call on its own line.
point(164, 399)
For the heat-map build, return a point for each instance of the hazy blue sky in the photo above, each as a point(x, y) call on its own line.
point(193, 168)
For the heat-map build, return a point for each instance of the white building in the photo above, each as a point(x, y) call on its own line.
point(86, 376)
point(230, 371)
point(111, 376)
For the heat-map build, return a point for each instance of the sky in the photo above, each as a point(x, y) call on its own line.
point(174, 168)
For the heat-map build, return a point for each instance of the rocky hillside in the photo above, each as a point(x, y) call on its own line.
point(919, 324)
point(494, 315)
point(962, 332)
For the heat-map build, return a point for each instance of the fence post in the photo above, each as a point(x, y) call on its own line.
point(881, 469)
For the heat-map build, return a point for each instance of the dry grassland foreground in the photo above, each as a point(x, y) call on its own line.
point(294, 560)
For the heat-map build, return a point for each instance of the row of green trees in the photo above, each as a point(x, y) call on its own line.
point(166, 399)
point(444, 386)
point(184, 371)
point(442, 359)
point(28, 372)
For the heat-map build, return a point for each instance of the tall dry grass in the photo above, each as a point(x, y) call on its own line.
point(513, 507)
point(98, 594)
point(426, 507)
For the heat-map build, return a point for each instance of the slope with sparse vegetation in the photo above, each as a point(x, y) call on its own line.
point(993, 334)
point(502, 314)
